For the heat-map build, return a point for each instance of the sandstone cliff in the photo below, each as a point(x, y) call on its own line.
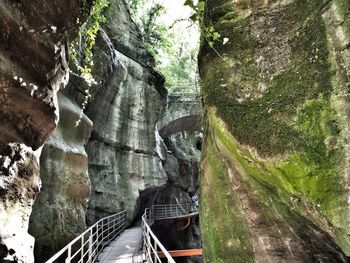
point(275, 170)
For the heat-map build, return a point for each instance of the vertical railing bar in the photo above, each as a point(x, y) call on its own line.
point(82, 248)
point(69, 254)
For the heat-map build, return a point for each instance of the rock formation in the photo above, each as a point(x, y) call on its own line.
point(128, 160)
point(124, 154)
point(125, 108)
point(59, 211)
point(182, 170)
point(33, 67)
point(275, 170)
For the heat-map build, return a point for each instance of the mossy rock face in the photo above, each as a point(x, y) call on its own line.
point(280, 89)
point(248, 213)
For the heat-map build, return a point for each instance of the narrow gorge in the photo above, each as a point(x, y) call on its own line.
point(251, 119)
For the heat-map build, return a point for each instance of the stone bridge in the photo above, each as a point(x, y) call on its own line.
point(183, 113)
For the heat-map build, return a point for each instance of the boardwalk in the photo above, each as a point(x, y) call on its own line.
point(107, 241)
point(124, 248)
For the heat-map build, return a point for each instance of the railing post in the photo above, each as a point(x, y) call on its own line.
point(98, 238)
point(108, 229)
point(149, 245)
point(114, 224)
point(82, 249)
point(90, 247)
point(155, 251)
point(102, 232)
point(69, 254)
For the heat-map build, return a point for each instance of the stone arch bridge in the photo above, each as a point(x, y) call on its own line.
point(184, 112)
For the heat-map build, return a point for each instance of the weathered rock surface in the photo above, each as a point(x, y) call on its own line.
point(275, 177)
point(33, 67)
point(128, 160)
point(20, 183)
point(124, 33)
point(122, 148)
point(59, 211)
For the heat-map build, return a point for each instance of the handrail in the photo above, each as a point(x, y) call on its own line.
point(151, 248)
point(182, 93)
point(169, 211)
point(86, 247)
point(159, 212)
point(184, 96)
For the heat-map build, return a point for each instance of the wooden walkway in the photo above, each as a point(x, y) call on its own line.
point(125, 249)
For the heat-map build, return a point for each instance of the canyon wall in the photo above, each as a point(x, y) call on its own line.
point(115, 153)
point(118, 132)
point(182, 169)
point(125, 108)
point(275, 169)
point(33, 67)
point(130, 165)
point(181, 154)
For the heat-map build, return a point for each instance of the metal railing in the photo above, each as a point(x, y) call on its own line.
point(86, 247)
point(150, 241)
point(184, 97)
point(170, 211)
point(158, 212)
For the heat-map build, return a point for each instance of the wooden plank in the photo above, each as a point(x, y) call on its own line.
point(183, 253)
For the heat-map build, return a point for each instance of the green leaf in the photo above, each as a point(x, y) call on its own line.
point(216, 35)
point(200, 6)
point(189, 3)
point(194, 17)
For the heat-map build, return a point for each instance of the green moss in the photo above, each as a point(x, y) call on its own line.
point(292, 125)
point(264, 122)
point(269, 189)
point(270, 186)
point(313, 173)
point(225, 236)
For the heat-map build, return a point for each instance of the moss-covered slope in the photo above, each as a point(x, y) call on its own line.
point(275, 171)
